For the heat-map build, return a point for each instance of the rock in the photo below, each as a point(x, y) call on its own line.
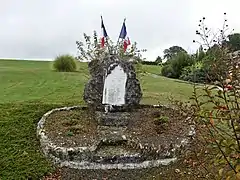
point(111, 134)
point(192, 131)
point(177, 171)
point(113, 119)
point(99, 69)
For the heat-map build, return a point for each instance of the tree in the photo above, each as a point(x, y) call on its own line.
point(234, 41)
point(200, 54)
point(179, 62)
point(158, 60)
point(173, 68)
point(172, 51)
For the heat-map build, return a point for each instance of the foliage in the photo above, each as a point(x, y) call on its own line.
point(220, 120)
point(167, 71)
point(234, 41)
point(197, 71)
point(200, 55)
point(162, 119)
point(211, 44)
point(158, 60)
point(173, 67)
point(149, 62)
point(172, 51)
point(182, 60)
point(209, 39)
point(64, 63)
point(90, 49)
point(194, 73)
point(161, 123)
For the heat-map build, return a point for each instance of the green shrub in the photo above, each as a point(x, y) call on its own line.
point(182, 60)
point(216, 107)
point(161, 120)
point(194, 73)
point(197, 76)
point(65, 63)
point(167, 71)
point(173, 68)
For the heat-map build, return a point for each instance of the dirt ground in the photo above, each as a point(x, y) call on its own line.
point(151, 125)
point(155, 126)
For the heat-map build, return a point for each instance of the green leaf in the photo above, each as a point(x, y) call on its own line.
point(69, 133)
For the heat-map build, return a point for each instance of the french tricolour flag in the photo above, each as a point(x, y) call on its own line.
point(104, 35)
point(123, 35)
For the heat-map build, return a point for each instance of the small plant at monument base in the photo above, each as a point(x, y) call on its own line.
point(69, 133)
point(161, 123)
point(161, 120)
point(65, 63)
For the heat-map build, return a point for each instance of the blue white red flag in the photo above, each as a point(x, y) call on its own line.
point(123, 35)
point(104, 34)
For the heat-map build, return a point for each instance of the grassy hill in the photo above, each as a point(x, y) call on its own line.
point(34, 80)
point(30, 88)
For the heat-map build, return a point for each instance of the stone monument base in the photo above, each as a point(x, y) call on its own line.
point(119, 142)
point(112, 118)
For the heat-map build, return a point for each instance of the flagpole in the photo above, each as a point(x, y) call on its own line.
point(119, 35)
point(106, 37)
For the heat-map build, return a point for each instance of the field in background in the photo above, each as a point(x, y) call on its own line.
point(35, 80)
point(152, 69)
point(30, 88)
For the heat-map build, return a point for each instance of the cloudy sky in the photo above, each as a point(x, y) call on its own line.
point(39, 29)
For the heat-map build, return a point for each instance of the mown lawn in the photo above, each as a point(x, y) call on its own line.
point(152, 69)
point(30, 88)
point(34, 80)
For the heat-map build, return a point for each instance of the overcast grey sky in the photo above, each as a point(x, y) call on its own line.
point(46, 28)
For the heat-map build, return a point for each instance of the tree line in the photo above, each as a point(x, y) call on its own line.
point(195, 67)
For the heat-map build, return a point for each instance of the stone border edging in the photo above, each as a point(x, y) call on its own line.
point(48, 147)
point(144, 164)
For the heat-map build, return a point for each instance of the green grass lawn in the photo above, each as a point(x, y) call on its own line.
point(34, 80)
point(152, 69)
point(30, 88)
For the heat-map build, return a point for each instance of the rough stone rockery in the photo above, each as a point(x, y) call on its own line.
point(100, 71)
